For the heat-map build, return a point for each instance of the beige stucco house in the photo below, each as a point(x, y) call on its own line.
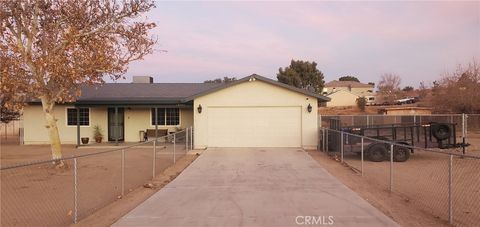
point(355, 87)
point(252, 112)
point(342, 98)
point(345, 93)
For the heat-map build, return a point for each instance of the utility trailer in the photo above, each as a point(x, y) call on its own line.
point(427, 135)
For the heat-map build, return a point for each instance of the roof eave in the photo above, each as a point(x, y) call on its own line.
point(320, 98)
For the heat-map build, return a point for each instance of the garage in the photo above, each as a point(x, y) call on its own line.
point(256, 112)
point(254, 127)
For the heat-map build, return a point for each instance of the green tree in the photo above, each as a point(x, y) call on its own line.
point(225, 80)
point(302, 74)
point(348, 78)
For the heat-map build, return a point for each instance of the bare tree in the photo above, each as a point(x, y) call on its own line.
point(459, 91)
point(389, 87)
point(54, 46)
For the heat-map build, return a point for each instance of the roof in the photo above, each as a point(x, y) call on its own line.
point(345, 91)
point(155, 93)
point(352, 84)
point(164, 93)
point(266, 80)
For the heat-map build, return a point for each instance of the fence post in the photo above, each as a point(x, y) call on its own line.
point(123, 173)
point(450, 210)
point(323, 139)
point(361, 168)
point(326, 140)
point(191, 137)
point(391, 167)
point(341, 147)
point(174, 138)
point(154, 157)
point(75, 203)
point(186, 140)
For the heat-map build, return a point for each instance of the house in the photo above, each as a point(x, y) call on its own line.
point(345, 93)
point(355, 87)
point(252, 112)
point(342, 98)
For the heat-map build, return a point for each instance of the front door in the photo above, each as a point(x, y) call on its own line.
point(116, 128)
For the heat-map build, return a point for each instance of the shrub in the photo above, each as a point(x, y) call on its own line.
point(361, 103)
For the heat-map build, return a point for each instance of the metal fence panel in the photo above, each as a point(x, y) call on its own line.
point(59, 197)
point(50, 196)
point(443, 183)
point(99, 182)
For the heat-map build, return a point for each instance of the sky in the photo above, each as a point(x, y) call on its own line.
point(418, 41)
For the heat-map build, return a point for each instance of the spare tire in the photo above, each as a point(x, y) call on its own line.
point(440, 131)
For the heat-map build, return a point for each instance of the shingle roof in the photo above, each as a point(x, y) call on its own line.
point(141, 91)
point(163, 93)
point(264, 79)
point(353, 84)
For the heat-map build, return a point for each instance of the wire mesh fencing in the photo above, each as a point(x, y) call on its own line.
point(38, 194)
point(443, 183)
point(467, 126)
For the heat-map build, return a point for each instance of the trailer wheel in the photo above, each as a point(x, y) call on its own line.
point(376, 152)
point(401, 154)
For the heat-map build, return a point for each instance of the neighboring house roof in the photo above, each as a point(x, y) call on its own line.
point(341, 91)
point(164, 93)
point(352, 84)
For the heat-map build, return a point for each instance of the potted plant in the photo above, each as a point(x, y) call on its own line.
point(85, 140)
point(97, 133)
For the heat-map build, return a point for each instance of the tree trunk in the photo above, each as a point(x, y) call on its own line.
point(55, 144)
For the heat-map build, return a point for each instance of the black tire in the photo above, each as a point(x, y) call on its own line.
point(440, 131)
point(401, 154)
point(376, 152)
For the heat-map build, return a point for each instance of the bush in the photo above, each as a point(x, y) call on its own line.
point(361, 103)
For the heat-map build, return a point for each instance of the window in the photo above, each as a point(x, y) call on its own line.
point(72, 116)
point(166, 116)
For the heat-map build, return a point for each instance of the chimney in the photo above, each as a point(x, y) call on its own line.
point(142, 80)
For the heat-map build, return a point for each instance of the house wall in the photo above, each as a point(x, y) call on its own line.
point(257, 94)
point(342, 98)
point(34, 124)
point(136, 119)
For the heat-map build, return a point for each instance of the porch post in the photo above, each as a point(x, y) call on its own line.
point(116, 126)
point(78, 126)
point(156, 123)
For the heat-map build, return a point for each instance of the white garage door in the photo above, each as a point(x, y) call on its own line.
point(254, 127)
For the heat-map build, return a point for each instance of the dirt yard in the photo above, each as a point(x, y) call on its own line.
point(420, 187)
point(40, 195)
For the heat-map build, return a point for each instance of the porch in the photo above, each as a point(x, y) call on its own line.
point(124, 125)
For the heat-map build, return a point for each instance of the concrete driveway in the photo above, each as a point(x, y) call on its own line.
point(255, 187)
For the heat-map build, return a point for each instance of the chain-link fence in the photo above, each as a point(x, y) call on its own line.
point(467, 126)
point(444, 183)
point(38, 194)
